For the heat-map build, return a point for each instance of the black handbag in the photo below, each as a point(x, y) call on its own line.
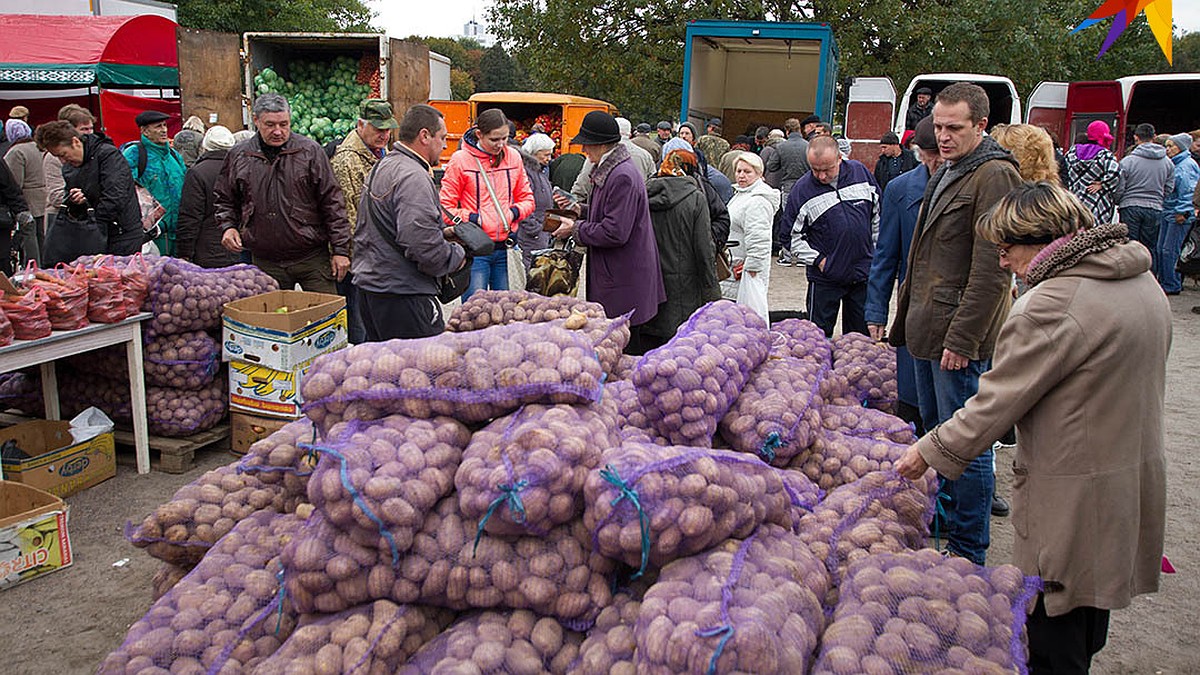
point(68, 238)
point(555, 271)
point(1188, 264)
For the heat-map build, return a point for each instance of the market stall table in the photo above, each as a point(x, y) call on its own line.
point(44, 352)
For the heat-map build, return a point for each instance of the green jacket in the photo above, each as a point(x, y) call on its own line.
point(163, 177)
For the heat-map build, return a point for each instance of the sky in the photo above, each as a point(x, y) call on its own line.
point(445, 18)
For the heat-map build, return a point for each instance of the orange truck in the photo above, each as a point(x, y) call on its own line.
point(560, 114)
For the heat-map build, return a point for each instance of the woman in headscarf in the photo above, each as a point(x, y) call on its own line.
point(686, 254)
point(27, 165)
point(718, 213)
point(485, 183)
point(1093, 173)
point(751, 219)
point(536, 152)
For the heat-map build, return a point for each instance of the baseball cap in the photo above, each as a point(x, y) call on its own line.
point(145, 119)
point(378, 113)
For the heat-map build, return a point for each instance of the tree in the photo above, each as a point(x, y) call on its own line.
point(1187, 53)
point(240, 16)
point(500, 72)
point(461, 85)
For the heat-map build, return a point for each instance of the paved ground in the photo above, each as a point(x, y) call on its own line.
point(67, 622)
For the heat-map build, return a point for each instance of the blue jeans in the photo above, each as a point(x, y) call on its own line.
point(1144, 224)
point(1170, 243)
point(968, 500)
point(489, 272)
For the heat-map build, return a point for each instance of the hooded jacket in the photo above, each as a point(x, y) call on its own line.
point(465, 194)
point(198, 238)
point(1146, 177)
point(1186, 175)
point(789, 161)
point(679, 213)
point(163, 178)
point(1080, 368)
point(530, 236)
point(107, 183)
point(835, 226)
point(751, 219)
point(955, 295)
point(27, 167)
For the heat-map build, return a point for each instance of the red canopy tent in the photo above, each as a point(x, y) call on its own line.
point(45, 54)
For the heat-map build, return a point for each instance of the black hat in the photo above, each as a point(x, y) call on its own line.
point(890, 138)
point(714, 122)
point(643, 128)
point(924, 90)
point(598, 128)
point(149, 117)
point(665, 126)
point(811, 119)
point(924, 136)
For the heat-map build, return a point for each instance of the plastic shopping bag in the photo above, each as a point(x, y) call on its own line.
point(753, 294)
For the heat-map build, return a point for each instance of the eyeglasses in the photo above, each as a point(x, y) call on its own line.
point(1004, 249)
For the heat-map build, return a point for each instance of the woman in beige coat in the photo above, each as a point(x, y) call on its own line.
point(1080, 368)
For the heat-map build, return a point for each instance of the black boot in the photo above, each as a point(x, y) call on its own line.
point(1000, 507)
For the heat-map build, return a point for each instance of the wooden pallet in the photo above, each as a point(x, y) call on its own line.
point(175, 454)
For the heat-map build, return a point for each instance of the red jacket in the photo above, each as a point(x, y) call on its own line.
point(465, 195)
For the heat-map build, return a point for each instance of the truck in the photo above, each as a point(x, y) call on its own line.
point(757, 73)
point(217, 70)
point(872, 108)
point(560, 114)
point(1067, 108)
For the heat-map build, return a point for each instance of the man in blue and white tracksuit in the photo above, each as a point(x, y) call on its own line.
point(834, 212)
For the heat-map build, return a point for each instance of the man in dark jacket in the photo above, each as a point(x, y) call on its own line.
point(13, 211)
point(919, 110)
point(956, 296)
point(893, 160)
point(400, 250)
point(277, 197)
point(1147, 176)
point(198, 238)
point(789, 162)
point(834, 215)
point(97, 178)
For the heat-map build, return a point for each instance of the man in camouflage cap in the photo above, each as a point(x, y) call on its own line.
point(352, 161)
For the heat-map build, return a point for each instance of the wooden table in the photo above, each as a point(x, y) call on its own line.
point(44, 352)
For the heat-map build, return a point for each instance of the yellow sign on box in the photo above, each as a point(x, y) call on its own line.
point(265, 391)
point(33, 534)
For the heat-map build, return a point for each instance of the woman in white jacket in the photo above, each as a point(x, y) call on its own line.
point(751, 217)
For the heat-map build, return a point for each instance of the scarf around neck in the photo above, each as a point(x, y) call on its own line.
point(1066, 252)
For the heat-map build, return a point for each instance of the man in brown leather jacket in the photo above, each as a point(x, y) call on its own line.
point(277, 198)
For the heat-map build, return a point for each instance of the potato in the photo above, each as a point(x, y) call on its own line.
point(543, 455)
point(219, 612)
point(870, 369)
point(691, 499)
point(925, 631)
point(496, 642)
point(188, 360)
point(801, 339)
point(838, 458)
point(472, 377)
point(22, 390)
point(170, 412)
point(166, 577)
point(776, 415)
point(610, 644)
point(762, 593)
point(182, 530)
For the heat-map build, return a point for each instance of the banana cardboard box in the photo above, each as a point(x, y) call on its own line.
point(283, 330)
point(33, 534)
point(259, 390)
point(55, 462)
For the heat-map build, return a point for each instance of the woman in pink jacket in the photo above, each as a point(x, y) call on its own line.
point(485, 182)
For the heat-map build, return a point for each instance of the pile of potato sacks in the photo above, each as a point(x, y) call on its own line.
point(512, 497)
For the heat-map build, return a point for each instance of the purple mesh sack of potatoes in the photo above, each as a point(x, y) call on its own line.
point(870, 369)
point(279, 458)
point(777, 414)
point(496, 642)
point(185, 297)
point(801, 339)
point(855, 420)
point(837, 459)
point(922, 612)
point(609, 646)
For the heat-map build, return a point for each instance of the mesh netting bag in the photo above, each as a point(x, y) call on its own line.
point(920, 612)
point(225, 616)
point(497, 308)
point(742, 607)
point(879, 513)
point(650, 505)
point(107, 302)
point(687, 385)
point(624, 368)
point(491, 643)
point(801, 339)
point(610, 644)
point(22, 391)
point(183, 361)
point(170, 412)
point(472, 377)
point(631, 417)
point(855, 420)
point(26, 314)
point(278, 459)
point(184, 297)
point(7, 334)
point(182, 530)
point(524, 473)
point(166, 577)
point(451, 565)
point(776, 416)
point(66, 294)
point(870, 369)
point(381, 479)
point(836, 458)
point(372, 639)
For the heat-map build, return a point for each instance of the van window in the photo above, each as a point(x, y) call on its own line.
point(1000, 99)
point(1169, 105)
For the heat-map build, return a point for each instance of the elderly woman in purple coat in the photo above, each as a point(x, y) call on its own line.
point(623, 271)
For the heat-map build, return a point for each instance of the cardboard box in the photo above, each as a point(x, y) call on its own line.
point(267, 392)
point(33, 534)
point(58, 464)
point(254, 332)
point(250, 429)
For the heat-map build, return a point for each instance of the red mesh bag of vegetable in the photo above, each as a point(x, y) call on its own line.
point(777, 414)
point(106, 294)
point(27, 314)
point(524, 473)
point(383, 478)
point(6, 330)
point(135, 282)
point(226, 616)
point(376, 638)
point(687, 385)
point(650, 505)
point(472, 377)
point(749, 606)
point(921, 612)
point(66, 294)
point(498, 642)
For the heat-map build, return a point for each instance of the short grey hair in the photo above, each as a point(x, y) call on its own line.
point(270, 103)
point(625, 127)
point(537, 143)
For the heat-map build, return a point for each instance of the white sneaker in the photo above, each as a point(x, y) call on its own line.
point(785, 258)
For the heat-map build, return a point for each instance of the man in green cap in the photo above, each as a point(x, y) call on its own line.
point(352, 161)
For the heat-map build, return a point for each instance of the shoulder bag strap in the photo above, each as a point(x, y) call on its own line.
point(492, 193)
